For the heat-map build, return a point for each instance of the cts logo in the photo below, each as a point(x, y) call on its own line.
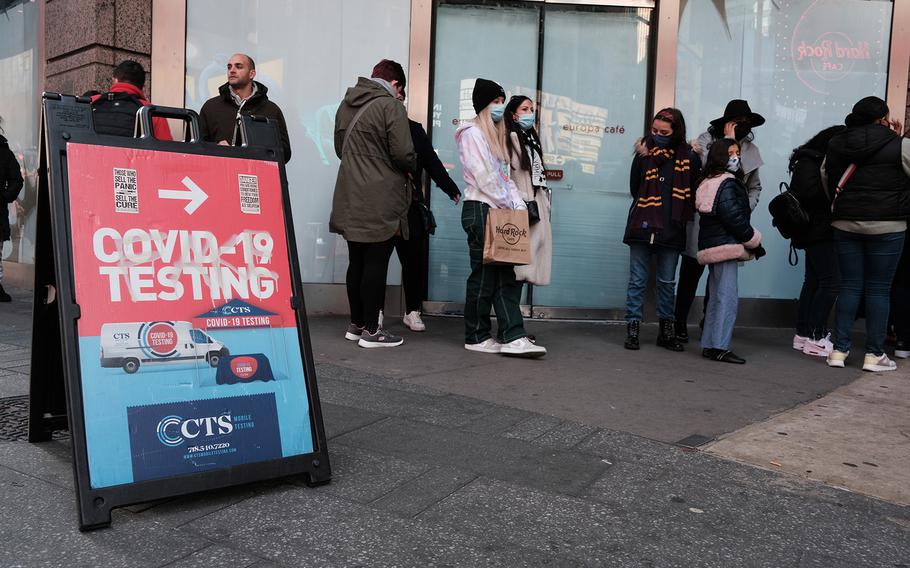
point(120, 338)
point(174, 430)
point(229, 310)
point(244, 367)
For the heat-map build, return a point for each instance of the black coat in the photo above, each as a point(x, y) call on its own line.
point(428, 160)
point(218, 116)
point(10, 185)
point(878, 190)
point(730, 221)
point(806, 186)
point(673, 235)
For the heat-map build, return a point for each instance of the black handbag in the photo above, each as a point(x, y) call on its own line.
point(533, 212)
point(426, 217)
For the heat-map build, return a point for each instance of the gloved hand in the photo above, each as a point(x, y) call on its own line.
point(758, 252)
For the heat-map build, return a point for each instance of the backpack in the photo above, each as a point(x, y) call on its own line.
point(115, 113)
point(787, 214)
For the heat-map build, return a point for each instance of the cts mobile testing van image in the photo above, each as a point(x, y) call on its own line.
point(130, 345)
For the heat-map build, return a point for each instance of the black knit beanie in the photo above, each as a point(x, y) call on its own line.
point(867, 111)
point(485, 92)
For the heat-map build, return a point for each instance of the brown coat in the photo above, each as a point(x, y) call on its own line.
point(372, 195)
point(538, 272)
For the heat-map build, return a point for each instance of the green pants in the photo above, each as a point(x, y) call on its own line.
point(489, 285)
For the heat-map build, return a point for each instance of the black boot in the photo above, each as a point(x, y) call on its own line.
point(632, 335)
point(4, 297)
point(667, 336)
point(682, 331)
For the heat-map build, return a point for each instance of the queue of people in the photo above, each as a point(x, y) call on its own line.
point(692, 202)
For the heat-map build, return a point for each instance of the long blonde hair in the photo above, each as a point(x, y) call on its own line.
point(495, 133)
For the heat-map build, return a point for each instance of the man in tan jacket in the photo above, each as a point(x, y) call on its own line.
point(372, 195)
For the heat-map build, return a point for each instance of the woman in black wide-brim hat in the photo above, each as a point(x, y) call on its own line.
point(736, 123)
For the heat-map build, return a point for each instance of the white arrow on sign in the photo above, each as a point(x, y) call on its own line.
point(195, 195)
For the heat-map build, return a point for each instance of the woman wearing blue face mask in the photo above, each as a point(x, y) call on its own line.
point(526, 157)
point(662, 182)
point(488, 181)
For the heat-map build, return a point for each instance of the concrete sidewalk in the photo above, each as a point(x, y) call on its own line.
point(432, 469)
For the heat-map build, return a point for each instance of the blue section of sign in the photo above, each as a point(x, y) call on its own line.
point(181, 438)
point(108, 393)
point(236, 308)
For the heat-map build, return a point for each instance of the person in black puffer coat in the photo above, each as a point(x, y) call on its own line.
point(664, 174)
point(821, 278)
point(870, 211)
point(10, 186)
point(725, 237)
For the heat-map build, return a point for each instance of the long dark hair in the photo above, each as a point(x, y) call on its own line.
point(718, 156)
point(675, 117)
point(819, 143)
point(527, 137)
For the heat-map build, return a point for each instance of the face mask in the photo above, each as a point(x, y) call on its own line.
point(497, 112)
point(733, 164)
point(741, 131)
point(526, 121)
point(662, 140)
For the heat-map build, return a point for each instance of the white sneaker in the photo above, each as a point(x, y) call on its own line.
point(799, 342)
point(819, 347)
point(489, 345)
point(877, 364)
point(522, 347)
point(413, 322)
point(836, 358)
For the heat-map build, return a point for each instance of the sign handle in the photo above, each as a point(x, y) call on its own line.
point(145, 114)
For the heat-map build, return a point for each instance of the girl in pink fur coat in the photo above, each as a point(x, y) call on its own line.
point(725, 238)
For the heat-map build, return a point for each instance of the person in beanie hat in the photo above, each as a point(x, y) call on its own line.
point(736, 123)
point(866, 172)
point(488, 183)
point(10, 186)
point(664, 176)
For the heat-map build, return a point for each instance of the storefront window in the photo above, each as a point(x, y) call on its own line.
point(307, 53)
point(19, 113)
point(802, 64)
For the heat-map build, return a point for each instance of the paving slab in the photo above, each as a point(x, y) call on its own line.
point(39, 529)
point(497, 457)
point(856, 437)
point(314, 528)
point(588, 377)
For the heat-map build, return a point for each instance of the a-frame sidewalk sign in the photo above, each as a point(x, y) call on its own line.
point(170, 333)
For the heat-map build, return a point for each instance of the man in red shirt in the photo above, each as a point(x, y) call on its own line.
point(114, 112)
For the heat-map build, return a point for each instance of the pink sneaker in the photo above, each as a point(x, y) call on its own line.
point(819, 347)
point(799, 342)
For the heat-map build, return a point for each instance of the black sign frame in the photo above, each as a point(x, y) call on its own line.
point(56, 400)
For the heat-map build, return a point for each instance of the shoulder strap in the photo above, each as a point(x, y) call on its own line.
point(843, 181)
point(347, 132)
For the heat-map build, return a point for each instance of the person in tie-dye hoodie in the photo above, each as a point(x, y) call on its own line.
point(488, 183)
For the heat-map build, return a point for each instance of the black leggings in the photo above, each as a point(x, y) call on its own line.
point(689, 274)
point(366, 277)
point(412, 254)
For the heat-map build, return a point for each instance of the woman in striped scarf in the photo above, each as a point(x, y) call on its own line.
point(662, 182)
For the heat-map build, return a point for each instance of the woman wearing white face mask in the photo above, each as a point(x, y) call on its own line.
point(526, 158)
point(725, 237)
point(488, 183)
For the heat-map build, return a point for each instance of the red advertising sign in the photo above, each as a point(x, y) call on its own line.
point(189, 351)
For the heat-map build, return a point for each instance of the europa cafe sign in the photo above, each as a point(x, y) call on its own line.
point(828, 45)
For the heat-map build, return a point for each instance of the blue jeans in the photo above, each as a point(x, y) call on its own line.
point(639, 262)
point(819, 290)
point(867, 262)
point(720, 315)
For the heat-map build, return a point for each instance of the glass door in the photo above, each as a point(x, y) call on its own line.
point(586, 67)
point(594, 91)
